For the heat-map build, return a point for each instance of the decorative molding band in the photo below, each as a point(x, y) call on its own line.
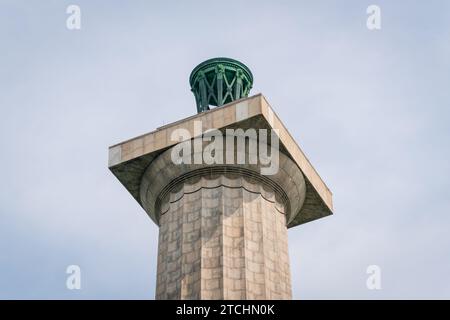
point(234, 178)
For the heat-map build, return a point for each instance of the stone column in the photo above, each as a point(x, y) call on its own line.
point(222, 226)
point(223, 231)
point(222, 237)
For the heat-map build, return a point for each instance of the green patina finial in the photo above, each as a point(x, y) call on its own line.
point(219, 81)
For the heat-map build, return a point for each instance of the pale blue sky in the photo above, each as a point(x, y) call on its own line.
point(369, 108)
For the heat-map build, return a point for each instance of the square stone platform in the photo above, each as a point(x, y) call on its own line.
point(129, 159)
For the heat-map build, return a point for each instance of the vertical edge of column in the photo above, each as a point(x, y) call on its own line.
point(161, 273)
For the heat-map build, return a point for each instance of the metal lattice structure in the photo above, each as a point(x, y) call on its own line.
point(218, 81)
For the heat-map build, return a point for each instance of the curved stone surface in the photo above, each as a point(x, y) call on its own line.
point(222, 238)
point(223, 228)
point(288, 184)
